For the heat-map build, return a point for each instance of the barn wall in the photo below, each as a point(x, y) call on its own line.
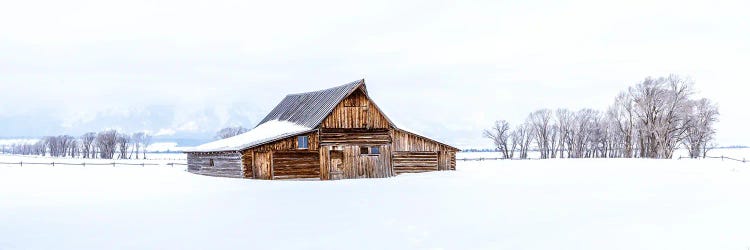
point(296, 164)
point(404, 143)
point(330, 136)
point(415, 161)
point(355, 111)
point(226, 164)
point(290, 144)
point(355, 165)
point(259, 160)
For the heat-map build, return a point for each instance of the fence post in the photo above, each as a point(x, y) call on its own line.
point(21, 163)
point(84, 164)
point(53, 163)
point(113, 164)
point(143, 164)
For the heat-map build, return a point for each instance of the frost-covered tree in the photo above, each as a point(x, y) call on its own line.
point(123, 144)
point(106, 142)
point(146, 141)
point(622, 116)
point(700, 130)
point(230, 131)
point(660, 107)
point(138, 142)
point(500, 135)
point(564, 120)
point(87, 144)
point(521, 138)
point(541, 123)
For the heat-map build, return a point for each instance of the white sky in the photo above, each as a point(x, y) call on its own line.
point(445, 69)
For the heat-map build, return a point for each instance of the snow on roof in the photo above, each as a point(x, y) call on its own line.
point(263, 133)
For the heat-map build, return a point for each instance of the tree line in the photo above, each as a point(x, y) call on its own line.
point(649, 120)
point(106, 144)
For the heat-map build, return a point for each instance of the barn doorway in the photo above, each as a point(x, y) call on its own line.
point(337, 164)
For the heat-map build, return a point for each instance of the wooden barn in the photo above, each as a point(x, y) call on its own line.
point(336, 133)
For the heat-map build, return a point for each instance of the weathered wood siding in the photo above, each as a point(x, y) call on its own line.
point(290, 144)
point(296, 165)
point(447, 160)
point(453, 160)
point(407, 142)
point(354, 165)
point(355, 111)
point(261, 157)
point(262, 164)
point(225, 164)
point(330, 136)
point(414, 162)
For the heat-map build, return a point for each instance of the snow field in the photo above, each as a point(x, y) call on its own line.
point(546, 204)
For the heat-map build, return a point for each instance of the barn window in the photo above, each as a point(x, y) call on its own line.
point(302, 142)
point(211, 162)
point(375, 150)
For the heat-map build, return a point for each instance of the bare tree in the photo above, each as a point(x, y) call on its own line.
point(521, 138)
point(565, 125)
point(87, 141)
point(146, 141)
point(230, 131)
point(541, 122)
point(73, 149)
point(700, 131)
point(585, 121)
point(500, 136)
point(660, 107)
point(106, 142)
point(137, 142)
point(553, 134)
point(621, 113)
point(123, 143)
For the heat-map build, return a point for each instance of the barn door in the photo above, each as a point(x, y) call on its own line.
point(262, 165)
point(337, 164)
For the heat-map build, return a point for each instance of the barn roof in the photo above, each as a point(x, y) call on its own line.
point(311, 108)
point(262, 134)
point(296, 114)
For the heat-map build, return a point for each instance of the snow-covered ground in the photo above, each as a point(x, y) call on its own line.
point(151, 158)
point(548, 204)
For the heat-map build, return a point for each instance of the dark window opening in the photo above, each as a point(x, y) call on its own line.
point(374, 150)
point(302, 142)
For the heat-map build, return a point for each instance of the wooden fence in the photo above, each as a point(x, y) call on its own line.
point(495, 159)
point(716, 157)
point(84, 164)
point(515, 159)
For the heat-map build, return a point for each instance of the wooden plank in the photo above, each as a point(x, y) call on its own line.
point(225, 164)
point(355, 112)
point(296, 164)
point(415, 161)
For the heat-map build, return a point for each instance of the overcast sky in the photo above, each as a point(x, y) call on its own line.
point(445, 69)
